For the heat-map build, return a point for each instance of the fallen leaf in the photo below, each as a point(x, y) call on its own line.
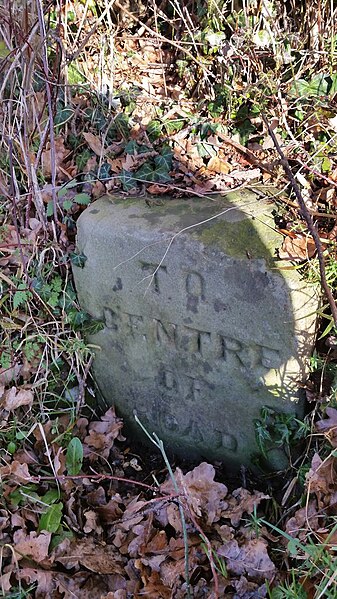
point(94, 143)
point(13, 399)
point(298, 249)
point(16, 472)
point(328, 426)
point(242, 501)
point(216, 165)
point(251, 558)
point(303, 520)
point(102, 434)
point(100, 558)
point(321, 479)
point(34, 546)
point(205, 496)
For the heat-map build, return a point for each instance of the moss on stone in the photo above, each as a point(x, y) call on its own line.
point(241, 239)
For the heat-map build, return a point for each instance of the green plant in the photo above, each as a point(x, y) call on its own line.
point(288, 590)
point(278, 430)
point(219, 562)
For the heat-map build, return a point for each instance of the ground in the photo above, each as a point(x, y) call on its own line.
point(165, 101)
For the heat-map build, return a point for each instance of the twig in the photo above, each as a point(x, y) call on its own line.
point(61, 478)
point(13, 196)
point(160, 445)
point(209, 550)
point(308, 219)
point(50, 106)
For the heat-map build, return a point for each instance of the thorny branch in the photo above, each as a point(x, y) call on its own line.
point(308, 219)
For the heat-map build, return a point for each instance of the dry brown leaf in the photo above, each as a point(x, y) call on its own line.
point(111, 511)
point(100, 558)
point(116, 164)
point(34, 546)
point(205, 496)
point(94, 143)
point(61, 153)
point(102, 434)
point(216, 165)
point(322, 479)
point(156, 189)
point(91, 523)
point(298, 249)
point(328, 426)
point(242, 501)
point(5, 583)
point(45, 581)
point(302, 521)
point(16, 472)
point(13, 399)
point(251, 558)
point(246, 175)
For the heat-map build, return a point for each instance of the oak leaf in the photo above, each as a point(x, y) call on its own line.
point(251, 558)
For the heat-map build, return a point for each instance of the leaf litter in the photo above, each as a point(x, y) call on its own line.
point(71, 523)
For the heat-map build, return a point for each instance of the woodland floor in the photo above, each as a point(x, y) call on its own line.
point(84, 512)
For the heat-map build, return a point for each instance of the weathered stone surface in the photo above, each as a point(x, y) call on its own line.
point(202, 327)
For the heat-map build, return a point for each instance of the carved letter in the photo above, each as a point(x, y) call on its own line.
point(195, 289)
point(136, 324)
point(195, 341)
point(165, 333)
point(224, 440)
point(155, 272)
point(110, 318)
point(271, 358)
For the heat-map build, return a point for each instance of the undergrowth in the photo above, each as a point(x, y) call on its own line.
point(168, 98)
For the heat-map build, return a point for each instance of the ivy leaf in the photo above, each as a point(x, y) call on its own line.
point(262, 435)
point(93, 327)
point(78, 259)
point(82, 159)
point(74, 456)
point(164, 159)
point(121, 122)
point(161, 175)
point(132, 147)
point(317, 86)
point(174, 125)
point(104, 171)
point(127, 178)
point(154, 129)
point(63, 116)
point(145, 173)
point(77, 318)
point(51, 519)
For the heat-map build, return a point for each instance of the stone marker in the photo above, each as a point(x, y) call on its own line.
point(203, 325)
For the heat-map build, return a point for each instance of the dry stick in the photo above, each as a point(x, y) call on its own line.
point(61, 478)
point(12, 193)
point(50, 106)
point(209, 549)
point(308, 219)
